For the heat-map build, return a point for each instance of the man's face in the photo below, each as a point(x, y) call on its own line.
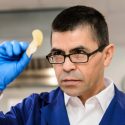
point(78, 79)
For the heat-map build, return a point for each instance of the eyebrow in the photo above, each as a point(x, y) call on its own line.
point(72, 50)
point(55, 50)
point(79, 48)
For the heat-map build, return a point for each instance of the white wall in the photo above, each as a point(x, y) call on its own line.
point(116, 70)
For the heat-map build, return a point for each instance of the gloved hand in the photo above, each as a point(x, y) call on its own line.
point(13, 60)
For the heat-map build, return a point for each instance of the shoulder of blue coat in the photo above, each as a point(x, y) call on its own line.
point(120, 96)
point(45, 97)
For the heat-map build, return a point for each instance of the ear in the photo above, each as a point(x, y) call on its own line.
point(108, 54)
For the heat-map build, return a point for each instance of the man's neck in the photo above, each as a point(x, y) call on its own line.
point(94, 91)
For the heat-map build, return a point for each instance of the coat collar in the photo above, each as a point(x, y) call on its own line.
point(55, 111)
point(115, 113)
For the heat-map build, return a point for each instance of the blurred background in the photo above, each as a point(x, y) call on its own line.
point(19, 18)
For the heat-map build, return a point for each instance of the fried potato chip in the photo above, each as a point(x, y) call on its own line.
point(36, 42)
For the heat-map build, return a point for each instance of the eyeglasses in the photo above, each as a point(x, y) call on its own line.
point(74, 57)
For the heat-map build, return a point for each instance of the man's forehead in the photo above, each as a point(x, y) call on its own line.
point(66, 41)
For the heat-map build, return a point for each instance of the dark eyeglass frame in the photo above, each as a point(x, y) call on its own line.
point(100, 49)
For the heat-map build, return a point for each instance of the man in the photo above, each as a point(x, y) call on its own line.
point(80, 53)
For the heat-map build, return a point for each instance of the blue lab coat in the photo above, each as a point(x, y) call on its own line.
point(49, 109)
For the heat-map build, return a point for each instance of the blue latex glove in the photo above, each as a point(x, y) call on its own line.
point(13, 60)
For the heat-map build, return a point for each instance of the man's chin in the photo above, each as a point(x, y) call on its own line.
point(70, 92)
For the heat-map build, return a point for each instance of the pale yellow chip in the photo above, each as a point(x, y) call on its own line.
point(37, 37)
point(36, 42)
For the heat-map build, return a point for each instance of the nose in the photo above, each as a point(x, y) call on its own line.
point(68, 65)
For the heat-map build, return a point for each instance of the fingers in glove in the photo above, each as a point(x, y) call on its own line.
point(16, 48)
point(7, 46)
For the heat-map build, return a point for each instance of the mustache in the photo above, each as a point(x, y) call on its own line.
point(73, 74)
